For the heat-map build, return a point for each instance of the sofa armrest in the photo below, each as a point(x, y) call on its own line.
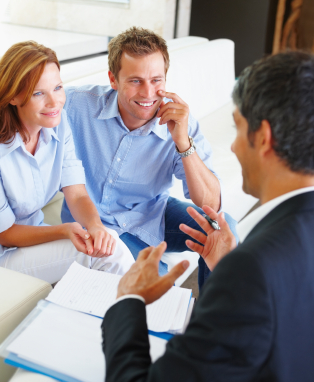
point(19, 295)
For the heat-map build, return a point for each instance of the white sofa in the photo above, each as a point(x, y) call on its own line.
point(201, 73)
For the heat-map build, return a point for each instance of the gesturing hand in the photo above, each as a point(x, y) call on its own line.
point(176, 115)
point(216, 244)
point(143, 279)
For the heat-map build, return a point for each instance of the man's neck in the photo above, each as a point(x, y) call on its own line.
point(285, 182)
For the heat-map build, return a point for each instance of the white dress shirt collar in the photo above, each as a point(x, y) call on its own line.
point(250, 221)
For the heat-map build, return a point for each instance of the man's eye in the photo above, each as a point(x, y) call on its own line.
point(157, 80)
point(136, 81)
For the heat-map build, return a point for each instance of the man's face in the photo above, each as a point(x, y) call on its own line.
point(137, 84)
point(247, 155)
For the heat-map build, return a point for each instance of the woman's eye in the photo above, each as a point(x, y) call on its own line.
point(58, 87)
point(37, 94)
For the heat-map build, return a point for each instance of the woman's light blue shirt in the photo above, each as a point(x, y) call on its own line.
point(28, 183)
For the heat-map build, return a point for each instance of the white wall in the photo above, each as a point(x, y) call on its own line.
point(94, 17)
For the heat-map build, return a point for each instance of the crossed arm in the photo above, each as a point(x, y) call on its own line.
point(94, 241)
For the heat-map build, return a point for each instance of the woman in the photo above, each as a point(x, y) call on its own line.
point(37, 159)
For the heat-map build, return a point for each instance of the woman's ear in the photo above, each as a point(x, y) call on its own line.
point(13, 102)
point(113, 81)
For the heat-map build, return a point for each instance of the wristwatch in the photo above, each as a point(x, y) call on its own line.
point(189, 151)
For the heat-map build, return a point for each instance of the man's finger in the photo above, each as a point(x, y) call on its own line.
point(200, 220)
point(195, 234)
point(210, 212)
point(157, 252)
point(175, 115)
point(144, 253)
point(172, 96)
point(176, 272)
point(195, 247)
point(163, 103)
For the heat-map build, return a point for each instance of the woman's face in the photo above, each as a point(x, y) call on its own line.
point(45, 105)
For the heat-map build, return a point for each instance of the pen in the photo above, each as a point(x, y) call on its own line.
point(213, 223)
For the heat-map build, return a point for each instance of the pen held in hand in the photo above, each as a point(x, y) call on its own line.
point(213, 223)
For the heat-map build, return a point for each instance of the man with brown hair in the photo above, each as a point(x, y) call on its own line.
point(132, 140)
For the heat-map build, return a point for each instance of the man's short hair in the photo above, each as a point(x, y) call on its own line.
point(280, 89)
point(136, 42)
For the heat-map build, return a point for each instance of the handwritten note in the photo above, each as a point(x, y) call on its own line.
point(94, 292)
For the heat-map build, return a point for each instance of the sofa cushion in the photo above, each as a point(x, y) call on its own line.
point(19, 295)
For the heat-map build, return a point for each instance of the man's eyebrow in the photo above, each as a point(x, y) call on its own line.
point(141, 78)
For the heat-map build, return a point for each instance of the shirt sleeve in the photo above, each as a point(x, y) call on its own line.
point(136, 296)
point(203, 150)
point(72, 168)
point(7, 217)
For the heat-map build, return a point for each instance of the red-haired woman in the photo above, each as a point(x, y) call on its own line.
point(37, 159)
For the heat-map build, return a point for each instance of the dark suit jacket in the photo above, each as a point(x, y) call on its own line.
point(254, 320)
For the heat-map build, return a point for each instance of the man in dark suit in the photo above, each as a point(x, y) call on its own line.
point(254, 317)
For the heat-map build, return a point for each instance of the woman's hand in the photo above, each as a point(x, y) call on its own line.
point(79, 237)
point(95, 242)
point(216, 244)
point(103, 243)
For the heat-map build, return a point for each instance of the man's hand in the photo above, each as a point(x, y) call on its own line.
point(143, 279)
point(216, 244)
point(176, 115)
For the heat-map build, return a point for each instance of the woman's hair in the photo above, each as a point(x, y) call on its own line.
point(20, 70)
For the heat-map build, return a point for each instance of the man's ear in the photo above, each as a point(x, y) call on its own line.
point(265, 137)
point(113, 81)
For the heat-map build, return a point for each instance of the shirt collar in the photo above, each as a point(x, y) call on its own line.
point(46, 134)
point(250, 221)
point(111, 110)
point(49, 133)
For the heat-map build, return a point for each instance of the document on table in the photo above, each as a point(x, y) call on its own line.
point(66, 345)
point(94, 292)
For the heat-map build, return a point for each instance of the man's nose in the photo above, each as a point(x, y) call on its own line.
point(147, 90)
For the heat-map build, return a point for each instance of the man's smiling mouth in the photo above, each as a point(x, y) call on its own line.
point(145, 104)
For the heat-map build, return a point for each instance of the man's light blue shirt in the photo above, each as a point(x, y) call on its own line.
point(28, 183)
point(128, 173)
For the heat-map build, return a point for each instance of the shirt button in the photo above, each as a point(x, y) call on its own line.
point(124, 225)
point(118, 159)
point(108, 212)
point(110, 181)
point(106, 197)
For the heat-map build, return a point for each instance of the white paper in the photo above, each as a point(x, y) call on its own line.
point(157, 347)
point(94, 292)
point(65, 341)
